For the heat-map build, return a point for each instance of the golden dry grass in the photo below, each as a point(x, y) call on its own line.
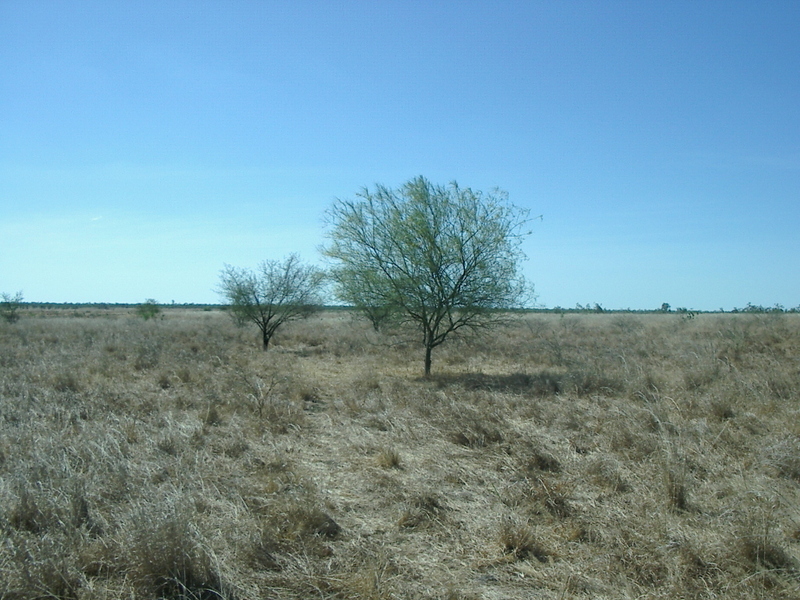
point(576, 456)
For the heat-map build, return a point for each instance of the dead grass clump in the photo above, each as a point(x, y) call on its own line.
point(283, 416)
point(319, 523)
point(467, 426)
point(373, 577)
point(25, 514)
point(647, 387)
point(147, 355)
point(723, 408)
point(457, 594)
point(66, 382)
point(42, 569)
point(627, 324)
point(366, 383)
point(677, 488)
point(589, 380)
point(170, 444)
point(544, 383)
point(541, 497)
point(184, 374)
point(641, 559)
point(476, 435)
point(164, 381)
point(784, 456)
point(700, 376)
point(700, 569)
point(517, 538)
point(167, 558)
point(541, 460)
point(298, 519)
point(555, 496)
point(783, 386)
point(606, 472)
point(264, 552)
point(423, 509)
point(388, 458)
point(763, 553)
point(630, 439)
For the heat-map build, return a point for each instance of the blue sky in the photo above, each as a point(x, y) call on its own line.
point(143, 145)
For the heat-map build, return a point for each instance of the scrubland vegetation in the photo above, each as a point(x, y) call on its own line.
point(588, 456)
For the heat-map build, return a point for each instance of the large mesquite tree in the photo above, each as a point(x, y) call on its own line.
point(441, 257)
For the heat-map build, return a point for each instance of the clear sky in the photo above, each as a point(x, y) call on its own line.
point(145, 144)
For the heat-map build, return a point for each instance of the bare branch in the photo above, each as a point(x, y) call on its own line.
point(279, 291)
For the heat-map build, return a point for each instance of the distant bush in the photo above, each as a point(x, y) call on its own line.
point(757, 308)
point(149, 309)
point(9, 307)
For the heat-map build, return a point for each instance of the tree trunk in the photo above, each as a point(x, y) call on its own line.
point(428, 350)
point(265, 339)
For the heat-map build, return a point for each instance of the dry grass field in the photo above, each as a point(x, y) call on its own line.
point(575, 456)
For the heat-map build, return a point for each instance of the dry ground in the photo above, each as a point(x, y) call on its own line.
point(590, 456)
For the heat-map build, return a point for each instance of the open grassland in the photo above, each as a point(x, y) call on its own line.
point(577, 456)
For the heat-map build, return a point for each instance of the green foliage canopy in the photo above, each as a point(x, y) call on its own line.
point(444, 258)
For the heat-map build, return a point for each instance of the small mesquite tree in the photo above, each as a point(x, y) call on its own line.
point(442, 258)
point(9, 307)
point(149, 309)
point(277, 292)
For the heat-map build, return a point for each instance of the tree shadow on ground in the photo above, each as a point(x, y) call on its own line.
point(539, 384)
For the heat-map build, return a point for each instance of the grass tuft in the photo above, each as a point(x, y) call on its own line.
point(518, 539)
point(423, 509)
point(389, 458)
point(167, 559)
